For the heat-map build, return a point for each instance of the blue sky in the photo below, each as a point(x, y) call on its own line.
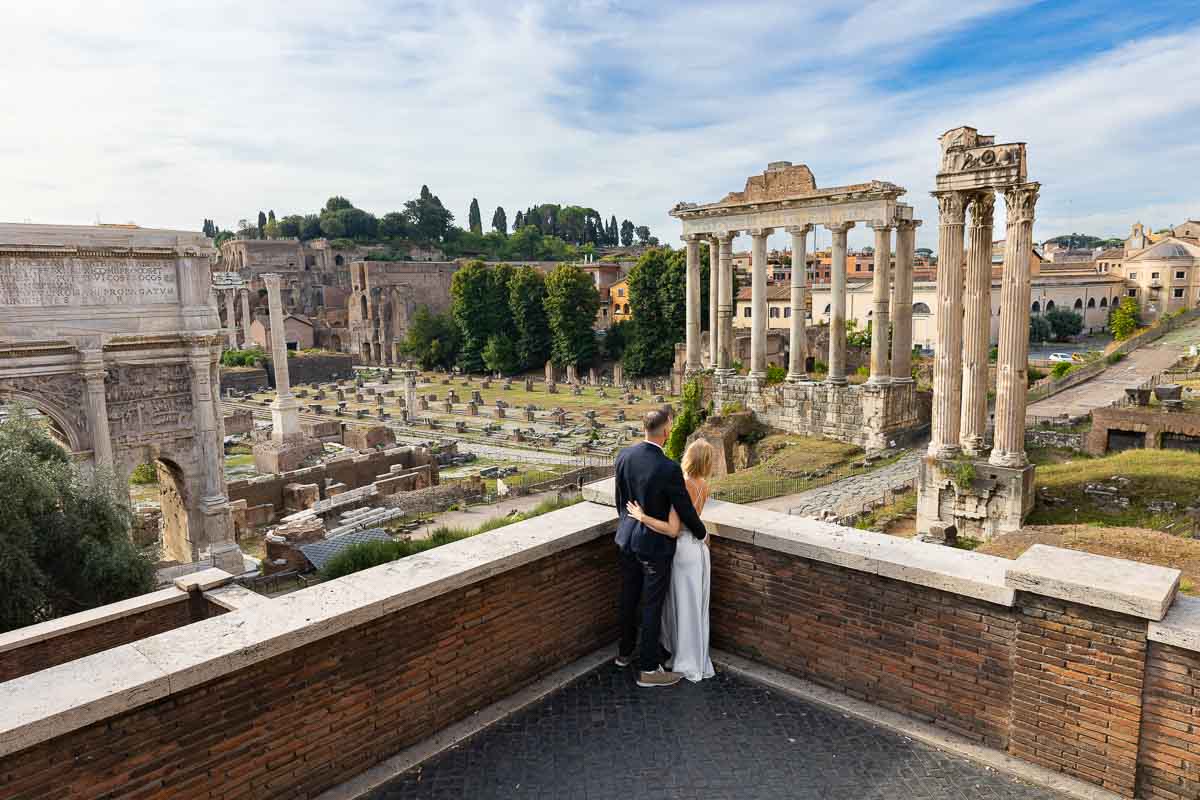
point(164, 113)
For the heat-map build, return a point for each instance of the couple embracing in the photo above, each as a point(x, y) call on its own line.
point(664, 557)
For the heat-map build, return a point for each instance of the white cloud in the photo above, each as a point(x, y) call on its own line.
point(164, 115)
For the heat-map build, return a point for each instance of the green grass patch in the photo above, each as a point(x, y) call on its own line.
point(1143, 476)
point(371, 554)
point(880, 518)
point(787, 464)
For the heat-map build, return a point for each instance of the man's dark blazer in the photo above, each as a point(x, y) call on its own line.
point(646, 475)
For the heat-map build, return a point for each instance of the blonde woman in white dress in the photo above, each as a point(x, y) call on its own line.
point(685, 611)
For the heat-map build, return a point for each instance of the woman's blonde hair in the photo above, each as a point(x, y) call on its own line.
point(697, 460)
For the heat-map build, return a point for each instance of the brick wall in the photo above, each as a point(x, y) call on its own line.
point(82, 642)
point(930, 654)
point(1154, 422)
point(304, 721)
point(244, 379)
point(1169, 756)
point(314, 368)
point(1077, 690)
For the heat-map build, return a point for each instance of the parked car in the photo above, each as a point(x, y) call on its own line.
point(1061, 357)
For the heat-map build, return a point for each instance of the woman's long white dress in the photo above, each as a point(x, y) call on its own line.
point(685, 611)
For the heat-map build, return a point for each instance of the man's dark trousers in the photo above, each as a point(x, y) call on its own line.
point(647, 580)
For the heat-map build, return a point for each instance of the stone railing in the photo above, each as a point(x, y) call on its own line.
point(1082, 665)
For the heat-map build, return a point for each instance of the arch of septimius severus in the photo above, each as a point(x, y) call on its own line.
point(786, 197)
point(113, 334)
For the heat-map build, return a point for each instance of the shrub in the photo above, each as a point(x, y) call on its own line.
point(776, 374)
point(687, 421)
point(820, 366)
point(144, 474)
point(1114, 358)
point(863, 372)
point(963, 473)
point(1035, 375)
point(1060, 369)
point(732, 407)
point(251, 357)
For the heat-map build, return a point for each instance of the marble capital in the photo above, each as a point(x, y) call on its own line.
point(760, 232)
point(725, 236)
point(799, 230)
point(983, 207)
point(881, 225)
point(952, 207)
point(1020, 201)
point(838, 227)
point(908, 224)
point(693, 237)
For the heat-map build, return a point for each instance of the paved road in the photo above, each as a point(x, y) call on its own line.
point(849, 494)
point(603, 738)
point(1110, 385)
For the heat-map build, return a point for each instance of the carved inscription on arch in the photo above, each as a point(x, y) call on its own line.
point(38, 281)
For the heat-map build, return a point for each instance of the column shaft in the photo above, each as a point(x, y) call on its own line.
point(837, 303)
point(1013, 363)
point(902, 292)
point(880, 297)
point(97, 408)
point(692, 303)
point(725, 299)
point(758, 303)
point(947, 368)
point(976, 326)
point(285, 415)
point(798, 354)
point(230, 319)
point(245, 317)
point(714, 299)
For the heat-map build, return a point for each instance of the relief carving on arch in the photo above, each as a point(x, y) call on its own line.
point(149, 404)
point(61, 394)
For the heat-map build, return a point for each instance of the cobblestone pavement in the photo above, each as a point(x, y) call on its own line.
point(849, 494)
point(602, 738)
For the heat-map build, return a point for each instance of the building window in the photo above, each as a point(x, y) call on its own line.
point(1133, 276)
point(1180, 275)
point(746, 312)
point(1091, 302)
point(774, 313)
point(1153, 276)
point(1133, 292)
point(1049, 305)
point(826, 310)
point(1078, 303)
point(620, 292)
point(1179, 293)
point(627, 308)
point(920, 308)
point(1036, 308)
point(787, 312)
point(1104, 302)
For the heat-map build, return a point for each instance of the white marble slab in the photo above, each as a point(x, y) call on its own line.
point(1130, 587)
point(22, 637)
point(205, 579)
point(1181, 626)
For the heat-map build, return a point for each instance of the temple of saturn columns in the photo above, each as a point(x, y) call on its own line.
point(113, 335)
point(786, 197)
point(983, 494)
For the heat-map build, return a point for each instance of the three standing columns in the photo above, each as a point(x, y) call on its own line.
point(901, 312)
point(725, 301)
point(1012, 365)
point(758, 303)
point(947, 366)
point(692, 303)
point(837, 315)
point(881, 295)
point(977, 318)
point(798, 355)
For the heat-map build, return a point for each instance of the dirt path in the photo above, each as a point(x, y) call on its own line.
point(476, 515)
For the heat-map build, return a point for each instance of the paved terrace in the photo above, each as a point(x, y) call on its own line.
point(1077, 673)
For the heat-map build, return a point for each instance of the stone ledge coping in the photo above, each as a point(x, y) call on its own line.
point(1180, 627)
point(957, 571)
point(204, 580)
point(1129, 587)
point(30, 634)
point(58, 700)
point(233, 597)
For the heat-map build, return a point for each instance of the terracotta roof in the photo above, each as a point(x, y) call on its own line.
point(775, 292)
point(1112, 252)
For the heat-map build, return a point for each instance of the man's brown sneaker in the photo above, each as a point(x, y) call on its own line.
point(649, 680)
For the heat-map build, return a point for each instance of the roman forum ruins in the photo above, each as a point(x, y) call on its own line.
point(786, 197)
point(113, 335)
point(960, 483)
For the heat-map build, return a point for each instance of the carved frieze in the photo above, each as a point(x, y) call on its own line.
point(149, 399)
point(60, 393)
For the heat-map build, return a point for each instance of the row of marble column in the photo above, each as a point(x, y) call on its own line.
point(892, 302)
point(230, 321)
point(964, 291)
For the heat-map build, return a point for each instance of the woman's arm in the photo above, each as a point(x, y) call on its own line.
point(668, 528)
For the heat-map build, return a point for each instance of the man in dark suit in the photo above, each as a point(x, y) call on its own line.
point(646, 475)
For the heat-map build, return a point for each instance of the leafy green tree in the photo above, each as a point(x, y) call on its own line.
point(64, 538)
point(614, 232)
point(291, 225)
point(209, 229)
point(393, 225)
point(478, 296)
point(527, 309)
point(643, 234)
point(1064, 323)
point(571, 305)
point(1040, 329)
point(518, 221)
point(428, 219)
point(614, 340)
point(627, 233)
point(686, 422)
point(500, 221)
point(1125, 318)
point(432, 339)
point(650, 348)
point(337, 203)
point(311, 227)
point(474, 221)
point(501, 356)
point(262, 224)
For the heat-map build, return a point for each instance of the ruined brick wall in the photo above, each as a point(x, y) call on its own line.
point(304, 721)
point(1169, 753)
point(1154, 422)
point(315, 368)
point(939, 657)
point(243, 379)
point(93, 639)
